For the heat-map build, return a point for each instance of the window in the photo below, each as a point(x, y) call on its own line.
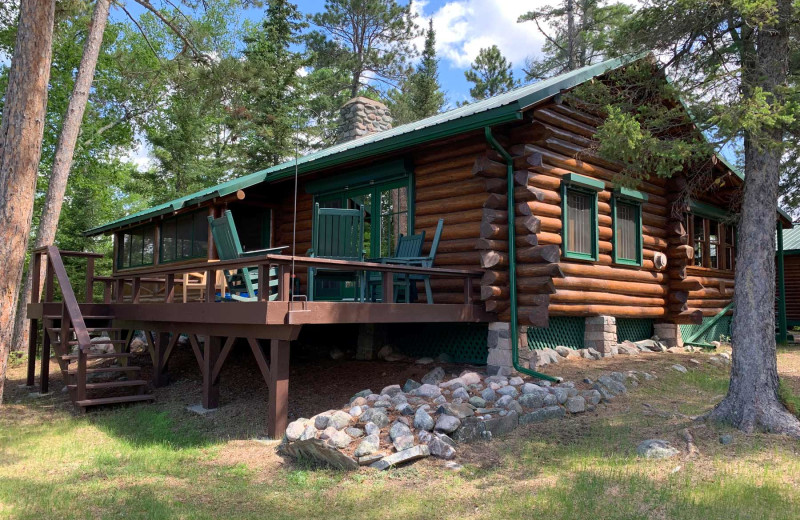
point(627, 233)
point(714, 242)
point(386, 213)
point(579, 216)
point(135, 248)
point(184, 237)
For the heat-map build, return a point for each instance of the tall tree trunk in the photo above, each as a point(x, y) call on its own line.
point(62, 161)
point(20, 150)
point(571, 36)
point(752, 402)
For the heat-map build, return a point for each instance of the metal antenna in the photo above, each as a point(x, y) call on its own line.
point(294, 218)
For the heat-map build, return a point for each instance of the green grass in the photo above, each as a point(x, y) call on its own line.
point(141, 462)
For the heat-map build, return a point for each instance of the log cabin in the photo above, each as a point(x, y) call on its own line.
point(541, 245)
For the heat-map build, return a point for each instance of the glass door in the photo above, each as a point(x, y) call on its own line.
point(386, 217)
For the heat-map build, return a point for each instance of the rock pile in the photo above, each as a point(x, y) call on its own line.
point(431, 417)
point(547, 356)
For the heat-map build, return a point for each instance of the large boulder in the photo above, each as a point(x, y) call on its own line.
point(427, 390)
point(423, 420)
point(434, 377)
point(656, 449)
point(319, 451)
point(368, 446)
point(447, 424)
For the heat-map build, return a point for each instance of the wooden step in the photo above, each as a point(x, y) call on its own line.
point(113, 400)
point(111, 384)
point(88, 329)
point(85, 317)
point(72, 357)
point(131, 368)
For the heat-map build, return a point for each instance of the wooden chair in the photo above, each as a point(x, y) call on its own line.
point(423, 261)
point(242, 283)
point(408, 247)
point(337, 234)
point(196, 282)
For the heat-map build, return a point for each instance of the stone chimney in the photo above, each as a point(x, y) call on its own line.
point(360, 117)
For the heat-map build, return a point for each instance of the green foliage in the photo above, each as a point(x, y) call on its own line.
point(265, 114)
point(490, 73)
point(420, 95)
point(370, 40)
point(577, 33)
point(641, 130)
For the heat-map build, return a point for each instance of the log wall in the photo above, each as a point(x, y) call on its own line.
point(558, 141)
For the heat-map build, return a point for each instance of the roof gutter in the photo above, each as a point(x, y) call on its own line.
point(512, 262)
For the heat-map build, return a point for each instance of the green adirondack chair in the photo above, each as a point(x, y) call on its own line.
point(423, 261)
point(408, 247)
point(337, 234)
point(242, 284)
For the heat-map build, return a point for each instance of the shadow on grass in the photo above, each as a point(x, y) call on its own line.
point(142, 426)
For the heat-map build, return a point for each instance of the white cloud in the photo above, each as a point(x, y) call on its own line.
point(464, 27)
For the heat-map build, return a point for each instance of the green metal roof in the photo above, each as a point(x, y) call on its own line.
point(499, 109)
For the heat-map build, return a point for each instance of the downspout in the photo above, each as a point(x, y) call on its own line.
point(512, 262)
point(782, 325)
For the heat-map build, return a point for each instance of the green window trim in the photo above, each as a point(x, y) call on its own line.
point(579, 184)
point(579, 181)
point(628, 193)
point(701, 209)
point(202, 215)
point(624, 199)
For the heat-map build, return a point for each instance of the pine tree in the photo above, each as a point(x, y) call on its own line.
point(371, 40)
point(491, 73)
point(577, 33)
point(266, 114)
point(421, 95)
point(734, 64)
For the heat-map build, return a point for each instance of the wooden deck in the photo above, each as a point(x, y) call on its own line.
point(214, 326)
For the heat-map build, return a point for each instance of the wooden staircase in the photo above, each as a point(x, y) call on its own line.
point(90, 351)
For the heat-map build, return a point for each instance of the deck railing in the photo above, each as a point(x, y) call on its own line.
point(165, 276)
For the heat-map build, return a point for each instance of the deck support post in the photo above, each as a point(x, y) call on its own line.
point(33, 345)
point(44, 373)
point(278, 417)
point(371, 338)
point(211, 349)
point(160, 353)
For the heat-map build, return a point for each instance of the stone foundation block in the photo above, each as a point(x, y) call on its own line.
point(669, 334)
point(600, 333)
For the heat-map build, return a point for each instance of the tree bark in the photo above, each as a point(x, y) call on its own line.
point(62, 161)
point(752, 401)
point(20, 150)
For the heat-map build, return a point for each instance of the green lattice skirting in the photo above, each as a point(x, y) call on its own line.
point(634, 329)
point(464, 342)
point(721, 328)
point(562, 330)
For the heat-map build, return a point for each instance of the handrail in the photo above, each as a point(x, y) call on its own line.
point(71, 314)
point(327, 263)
